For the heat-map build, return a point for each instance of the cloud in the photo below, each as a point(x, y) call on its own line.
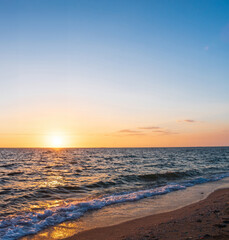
point(135, 134)
point(187, 121)
point(153, 130)
point(164, 132)
point(149, 128)
point(159, 130)
point(128, 131)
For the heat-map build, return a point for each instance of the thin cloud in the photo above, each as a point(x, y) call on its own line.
point(159, 131)
point(135, 134)
point(153, 130)
point(164, 132)
point(149, 128)
point(187, 121)
point(167, 132)
point(128, 131)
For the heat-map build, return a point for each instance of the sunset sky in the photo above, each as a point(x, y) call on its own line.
point(114, 73)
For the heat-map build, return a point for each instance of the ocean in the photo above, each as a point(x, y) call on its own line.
point(40, 188)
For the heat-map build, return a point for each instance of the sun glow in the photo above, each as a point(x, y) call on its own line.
point(55, 141)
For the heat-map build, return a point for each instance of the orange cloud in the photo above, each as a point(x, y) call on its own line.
point(164, 132)
point(128, 131)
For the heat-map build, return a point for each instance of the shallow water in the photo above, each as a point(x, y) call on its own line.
point(43, 187)
point(119, 213)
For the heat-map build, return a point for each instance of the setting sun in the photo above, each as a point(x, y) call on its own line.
point(55, 141)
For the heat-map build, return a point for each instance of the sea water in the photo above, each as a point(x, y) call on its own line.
point(40, 188)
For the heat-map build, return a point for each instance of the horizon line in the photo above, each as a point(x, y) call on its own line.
point(109, 147)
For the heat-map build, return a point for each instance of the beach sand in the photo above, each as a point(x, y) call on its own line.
point(206, 219)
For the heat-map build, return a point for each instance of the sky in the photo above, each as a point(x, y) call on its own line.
point(114, 73)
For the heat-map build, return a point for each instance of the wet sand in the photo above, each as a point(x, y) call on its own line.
point(206, 219)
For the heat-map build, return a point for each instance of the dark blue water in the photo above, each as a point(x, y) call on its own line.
point(43, 187)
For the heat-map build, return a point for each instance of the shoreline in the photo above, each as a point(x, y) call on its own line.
point(206, 219)
point(126, 212)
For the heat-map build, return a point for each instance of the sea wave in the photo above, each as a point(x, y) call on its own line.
point(168, 175)
point(33, 222)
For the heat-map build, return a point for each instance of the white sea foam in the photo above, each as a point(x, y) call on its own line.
point(31, 223)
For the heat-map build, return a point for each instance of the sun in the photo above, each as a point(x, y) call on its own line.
point(57, 141)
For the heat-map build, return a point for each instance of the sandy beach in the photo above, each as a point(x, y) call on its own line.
point(206, 219)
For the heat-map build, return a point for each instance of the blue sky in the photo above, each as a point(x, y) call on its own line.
point(145, 61)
